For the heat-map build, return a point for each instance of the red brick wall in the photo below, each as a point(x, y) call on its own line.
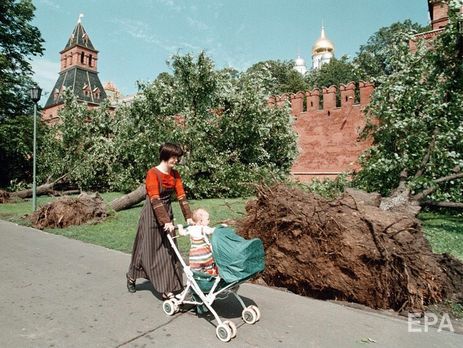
point(72, 57)
point(328, 141)
point(439, 14)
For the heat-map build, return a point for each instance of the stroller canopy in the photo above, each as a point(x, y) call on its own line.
point(237, 258)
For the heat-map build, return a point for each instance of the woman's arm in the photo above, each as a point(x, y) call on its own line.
point(181, 196)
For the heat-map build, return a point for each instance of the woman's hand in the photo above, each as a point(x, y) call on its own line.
point(169, 227)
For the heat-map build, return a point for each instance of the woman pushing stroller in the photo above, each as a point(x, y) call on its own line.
point(152, 256)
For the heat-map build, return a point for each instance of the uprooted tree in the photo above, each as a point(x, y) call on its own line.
point(348, 249)
point(417, 123)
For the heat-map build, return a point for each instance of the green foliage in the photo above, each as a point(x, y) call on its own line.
point(18, 41)
point(16, 138)
point(230, 135)
point(418, 109)
point(80, 146)
point(374, 59)
point(335, 72)
point(330, 188)
point(283, 77)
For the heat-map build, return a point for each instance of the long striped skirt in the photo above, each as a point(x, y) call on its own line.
point(153, 257)
point(200, 258)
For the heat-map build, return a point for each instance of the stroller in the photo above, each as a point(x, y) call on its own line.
point(237, 260)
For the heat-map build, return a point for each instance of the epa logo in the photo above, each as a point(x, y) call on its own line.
point(429, 319)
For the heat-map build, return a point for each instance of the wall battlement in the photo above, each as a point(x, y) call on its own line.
point(328, 124)
point(329, 98)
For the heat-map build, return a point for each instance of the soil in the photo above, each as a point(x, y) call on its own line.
point(68, 211)
point(348, 249)
point(4, 197)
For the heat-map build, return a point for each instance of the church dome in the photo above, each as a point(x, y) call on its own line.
point(299, 65)
point(299, 61)
point(322, 44)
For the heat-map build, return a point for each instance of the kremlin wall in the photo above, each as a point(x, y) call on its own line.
point(328, 133)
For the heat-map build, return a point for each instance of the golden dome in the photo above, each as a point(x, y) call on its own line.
point(322, 44)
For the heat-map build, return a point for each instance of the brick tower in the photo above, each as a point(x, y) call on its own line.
point(438, 14)
point(78, 73)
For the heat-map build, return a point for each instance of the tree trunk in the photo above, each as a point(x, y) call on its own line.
point(41, 190)
point(456, 205)
point(129, 199)
point(47, 188)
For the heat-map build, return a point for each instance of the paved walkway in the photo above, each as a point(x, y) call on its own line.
point(59, 292)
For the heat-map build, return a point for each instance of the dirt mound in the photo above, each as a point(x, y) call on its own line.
point(4, 197)
point(69, 211)
point(347, 250)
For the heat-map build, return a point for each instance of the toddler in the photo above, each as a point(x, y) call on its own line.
point(200, 257)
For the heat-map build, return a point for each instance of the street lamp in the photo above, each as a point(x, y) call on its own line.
point(35, 96)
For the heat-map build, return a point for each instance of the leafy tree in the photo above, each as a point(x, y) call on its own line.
point(16, 149)
point(419, 123)
point(80, 146)
point(18, 41)
point(221, 119)
point(374, 58)
point(283, 77)
point(336, 72)
point(230, 135)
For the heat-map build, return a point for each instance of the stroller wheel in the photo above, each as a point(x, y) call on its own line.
point(249, 315)
point(223, 332)
point(257, 310)
point(232, 327)
point(169, 307)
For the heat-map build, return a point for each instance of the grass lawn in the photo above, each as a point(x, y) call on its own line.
point(444, 232)
point(118, 230)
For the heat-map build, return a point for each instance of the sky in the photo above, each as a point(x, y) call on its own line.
point(135, 38)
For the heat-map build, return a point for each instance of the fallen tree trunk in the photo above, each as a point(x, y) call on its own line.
point(455, 205)
point(45, 189)
point(129, 199)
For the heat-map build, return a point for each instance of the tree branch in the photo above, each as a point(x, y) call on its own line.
point(428, 191)
point(428, 154)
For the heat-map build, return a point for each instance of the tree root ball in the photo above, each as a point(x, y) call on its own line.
point(347, 250)
point(69, 211)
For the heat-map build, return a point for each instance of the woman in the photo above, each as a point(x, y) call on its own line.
point(152, 255)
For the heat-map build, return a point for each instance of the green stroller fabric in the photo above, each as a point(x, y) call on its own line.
point(236, 258)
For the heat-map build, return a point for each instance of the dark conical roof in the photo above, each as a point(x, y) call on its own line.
point(78, 81)
point(79, 37)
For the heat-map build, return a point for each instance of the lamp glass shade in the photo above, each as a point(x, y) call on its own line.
point(36, 93)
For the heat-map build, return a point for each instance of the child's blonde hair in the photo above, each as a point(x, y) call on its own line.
point(199, 214)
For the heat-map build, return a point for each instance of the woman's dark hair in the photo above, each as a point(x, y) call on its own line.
point(168, 150)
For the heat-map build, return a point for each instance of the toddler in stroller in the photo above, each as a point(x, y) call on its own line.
point(237, 260)
point(200, 257)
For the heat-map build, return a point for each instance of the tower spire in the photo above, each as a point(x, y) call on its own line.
point(322, 34)
point(78, 74)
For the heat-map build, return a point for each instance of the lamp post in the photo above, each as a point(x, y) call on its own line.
point(35, 96)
